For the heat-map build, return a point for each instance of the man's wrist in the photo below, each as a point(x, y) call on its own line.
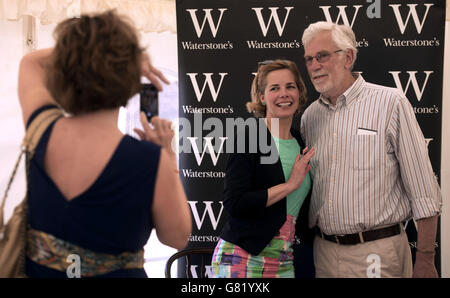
point(426, 255)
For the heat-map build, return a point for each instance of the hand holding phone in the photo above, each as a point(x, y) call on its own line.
point(153, 74)
point(160, 132)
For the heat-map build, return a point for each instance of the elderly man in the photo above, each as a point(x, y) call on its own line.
point(371, 170)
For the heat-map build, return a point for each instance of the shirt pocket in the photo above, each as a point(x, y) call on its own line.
point(363, 149)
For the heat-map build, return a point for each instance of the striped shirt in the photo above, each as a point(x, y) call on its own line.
point(371, 167)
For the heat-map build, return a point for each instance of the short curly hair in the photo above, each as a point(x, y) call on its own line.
point(260, 82)
point(95, 63)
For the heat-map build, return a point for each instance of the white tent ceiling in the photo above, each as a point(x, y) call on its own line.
point(148, 15)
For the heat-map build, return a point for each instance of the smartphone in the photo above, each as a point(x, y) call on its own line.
point(149, 100)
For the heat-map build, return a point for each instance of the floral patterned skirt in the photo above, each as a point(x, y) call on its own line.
point(276, 260)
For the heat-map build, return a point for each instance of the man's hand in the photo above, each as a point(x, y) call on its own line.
point(426, 238)
point(424, 265)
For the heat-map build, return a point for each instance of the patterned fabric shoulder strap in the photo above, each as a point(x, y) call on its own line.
point(37, 128)
point(32, 136)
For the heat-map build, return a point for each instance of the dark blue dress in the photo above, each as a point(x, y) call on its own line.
point(112, 216)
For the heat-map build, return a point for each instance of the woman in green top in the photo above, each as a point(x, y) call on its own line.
point(263, 200)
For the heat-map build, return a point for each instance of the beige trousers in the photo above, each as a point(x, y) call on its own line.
point(387, 257)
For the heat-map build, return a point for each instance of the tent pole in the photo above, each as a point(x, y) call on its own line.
point(29, 34)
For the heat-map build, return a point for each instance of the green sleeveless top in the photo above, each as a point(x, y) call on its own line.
point(288, 151)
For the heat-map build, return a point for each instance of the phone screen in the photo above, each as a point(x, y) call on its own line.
point(149, 100)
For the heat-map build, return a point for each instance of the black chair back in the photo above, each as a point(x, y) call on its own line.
point(190, 254)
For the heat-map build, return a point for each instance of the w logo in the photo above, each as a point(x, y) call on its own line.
point(208, 81)
point(273, 16)
point(209, 271)
point(208, 147)
point(412, 80)
point(412, 12)
point(342, 14)
point(213, 26)
point(208, 210)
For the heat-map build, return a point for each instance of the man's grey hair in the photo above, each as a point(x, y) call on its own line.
point(342, 35)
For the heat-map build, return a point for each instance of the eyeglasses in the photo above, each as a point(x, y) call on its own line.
point(265, 62)
point(321, 57)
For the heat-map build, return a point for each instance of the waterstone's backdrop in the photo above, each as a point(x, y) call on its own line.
point(401, 44)
point(221, 42)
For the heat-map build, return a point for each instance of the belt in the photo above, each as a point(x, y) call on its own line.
point(361, 237)
point(49, 251)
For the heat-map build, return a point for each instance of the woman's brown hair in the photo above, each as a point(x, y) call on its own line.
point(260, 82)
point(95, 63)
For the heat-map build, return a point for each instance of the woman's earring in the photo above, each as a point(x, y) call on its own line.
point(263, 103)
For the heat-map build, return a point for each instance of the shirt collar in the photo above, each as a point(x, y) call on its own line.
point(350, 95)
